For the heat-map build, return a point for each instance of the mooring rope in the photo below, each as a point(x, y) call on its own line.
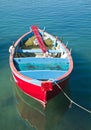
point(71, 101)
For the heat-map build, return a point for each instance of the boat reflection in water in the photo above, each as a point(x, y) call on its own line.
point(33, 112)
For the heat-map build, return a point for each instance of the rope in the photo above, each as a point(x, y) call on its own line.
point(71, 101)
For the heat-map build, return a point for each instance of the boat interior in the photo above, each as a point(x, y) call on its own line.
point(30, 61)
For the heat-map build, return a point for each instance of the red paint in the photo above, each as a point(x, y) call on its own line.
point(31, 89)
point(39, 38)
point(46, 86)
point(41, 93)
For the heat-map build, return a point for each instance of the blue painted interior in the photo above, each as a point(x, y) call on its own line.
point(42, 60)
point(27, 36)
point(42, 74)
point(42, 68)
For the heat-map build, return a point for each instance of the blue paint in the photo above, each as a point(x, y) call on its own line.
point(23, 64)
point(42, 74)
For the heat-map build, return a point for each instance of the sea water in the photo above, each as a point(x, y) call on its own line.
point(70, 20)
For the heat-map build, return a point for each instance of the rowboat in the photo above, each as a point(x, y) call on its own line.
point(41, 64)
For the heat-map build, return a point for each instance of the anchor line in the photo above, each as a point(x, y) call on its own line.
point(71, 101)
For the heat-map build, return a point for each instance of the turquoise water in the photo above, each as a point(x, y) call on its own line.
point(69, 19)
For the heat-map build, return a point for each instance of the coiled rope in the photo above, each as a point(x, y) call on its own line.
point(71, 101)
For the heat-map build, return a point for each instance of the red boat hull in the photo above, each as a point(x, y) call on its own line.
point(37, 92)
